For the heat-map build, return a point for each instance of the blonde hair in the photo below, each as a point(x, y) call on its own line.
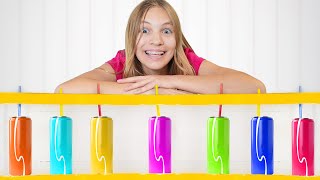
point(179, 64)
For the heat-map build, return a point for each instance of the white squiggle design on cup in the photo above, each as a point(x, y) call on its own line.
point(97, 155)
point(15, 147)
point(262, 157)
point(55, 148)
point(212, 146)
point(297, 143)
point(154, 145)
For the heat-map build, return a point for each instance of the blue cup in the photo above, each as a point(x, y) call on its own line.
point(262, 145)
point(60, 145)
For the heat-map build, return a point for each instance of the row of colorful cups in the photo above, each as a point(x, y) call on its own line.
point(101, 145)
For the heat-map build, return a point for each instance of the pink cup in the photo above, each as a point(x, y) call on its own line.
point(303, 147)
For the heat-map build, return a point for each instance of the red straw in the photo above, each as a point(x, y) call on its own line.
point(220, 106)
point(99, 106)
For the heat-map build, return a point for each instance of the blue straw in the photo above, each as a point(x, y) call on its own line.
point(300, 105)
point(19, 105)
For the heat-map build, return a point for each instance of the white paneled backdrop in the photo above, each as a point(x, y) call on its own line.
point(45, 42)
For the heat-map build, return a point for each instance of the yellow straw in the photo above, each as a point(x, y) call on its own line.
point(157, 106)
point(258, 106)
point(61, 105)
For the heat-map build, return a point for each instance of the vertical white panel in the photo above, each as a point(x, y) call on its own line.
point(40, 137)
point(4, 139)
point(179, 8)
point(265, 42)
point(78, 53)
point(80, 137)
point(219, 32)
point(55, 60)
point(102, 32)
point(289, 45)
point(241, 35)
point(195, 25)
point(316, 118)
point(31, 66)
point(78, 37)
point(310, 60)
point(131, 142)
point(9, 45)
point(55, 68)
point(123, 9)
point(240, 56)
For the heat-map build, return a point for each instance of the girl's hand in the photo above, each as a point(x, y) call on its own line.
point(166, 91)
point(142, 84)
point(172, 91)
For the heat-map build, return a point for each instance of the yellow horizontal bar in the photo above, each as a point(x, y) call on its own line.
point(39, 98)
point(158, 177)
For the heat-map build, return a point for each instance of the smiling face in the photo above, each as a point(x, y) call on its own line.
point(156, 42)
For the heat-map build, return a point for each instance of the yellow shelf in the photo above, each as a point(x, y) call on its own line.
point(82, 99)
point(159, 177)
point(86, 99)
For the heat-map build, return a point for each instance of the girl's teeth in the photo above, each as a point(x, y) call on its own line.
point(154, 53)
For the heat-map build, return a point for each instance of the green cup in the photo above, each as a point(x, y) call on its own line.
point(218, 129)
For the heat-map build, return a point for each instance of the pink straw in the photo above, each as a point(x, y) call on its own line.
point(220, 106)
point(99, 106)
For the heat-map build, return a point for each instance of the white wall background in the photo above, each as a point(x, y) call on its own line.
point(45, 42)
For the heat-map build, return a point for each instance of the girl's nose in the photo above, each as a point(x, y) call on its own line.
point(156, 39)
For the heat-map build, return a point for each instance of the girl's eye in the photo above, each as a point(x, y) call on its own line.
point(167, 31)
point(144, 30)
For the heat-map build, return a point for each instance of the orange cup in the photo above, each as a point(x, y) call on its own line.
point(20, 137)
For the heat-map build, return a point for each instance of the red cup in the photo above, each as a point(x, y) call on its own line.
point(303, 147)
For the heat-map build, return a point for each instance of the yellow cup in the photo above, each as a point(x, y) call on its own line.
point(101, 145)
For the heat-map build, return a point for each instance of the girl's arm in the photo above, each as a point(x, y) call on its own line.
point(211, 76)
point(207, 82)
point(87, 83)
point(165, 91)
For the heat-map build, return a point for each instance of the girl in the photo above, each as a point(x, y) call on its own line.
point(157, 53)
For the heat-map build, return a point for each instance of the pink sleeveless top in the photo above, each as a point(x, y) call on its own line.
point(118, 62)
